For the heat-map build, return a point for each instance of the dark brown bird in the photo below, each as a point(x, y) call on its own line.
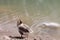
point(21, 28)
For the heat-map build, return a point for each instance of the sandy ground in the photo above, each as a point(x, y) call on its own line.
point(9, 29)
point(12, 31)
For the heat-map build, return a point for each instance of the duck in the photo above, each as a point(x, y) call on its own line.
point(23, 29)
